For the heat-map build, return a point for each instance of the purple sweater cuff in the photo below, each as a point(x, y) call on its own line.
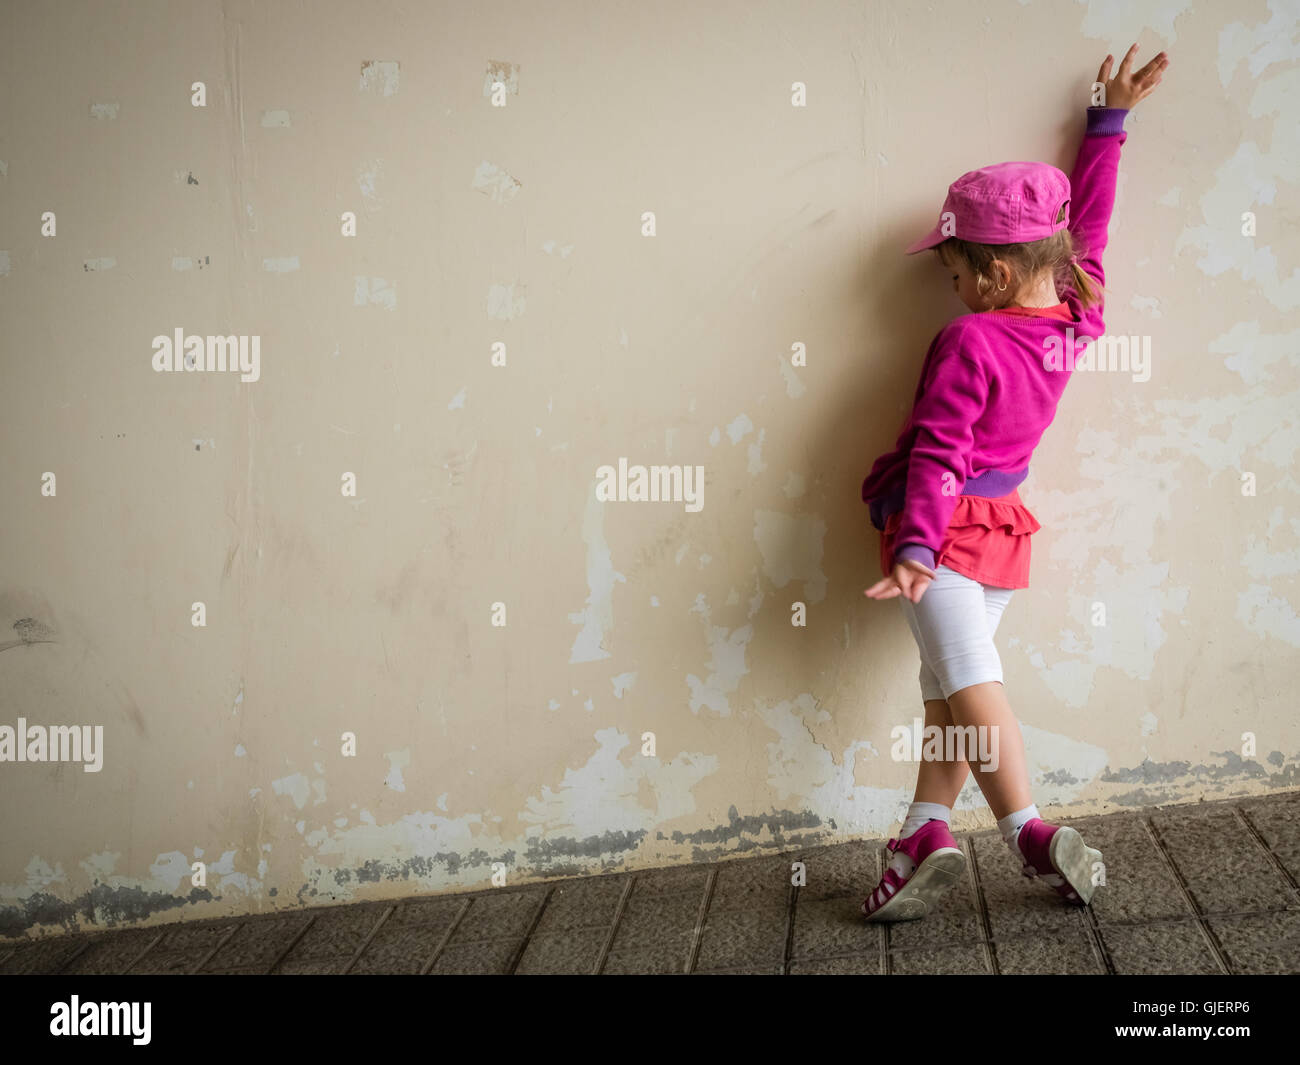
point(915, 553)
point(1105, 121)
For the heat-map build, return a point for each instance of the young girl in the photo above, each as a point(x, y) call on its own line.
point(955, 535)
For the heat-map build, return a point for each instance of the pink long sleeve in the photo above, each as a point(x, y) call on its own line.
point(1092, 199)
point(953, 395)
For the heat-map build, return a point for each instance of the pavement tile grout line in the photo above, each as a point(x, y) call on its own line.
point(697, 935)
point(85, 946)
point(528, 936)
point(220, 943)
point(791, 910)
point(279, 958)
point(1093, 932)
point(427, 968)
point(1207, 933)
point(982, 909)
point(140, 957)
point(613, 928)
point(1273, 859)
point(356, 955)
point(884, 938)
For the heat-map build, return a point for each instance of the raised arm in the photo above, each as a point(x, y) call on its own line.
point(1092, 182)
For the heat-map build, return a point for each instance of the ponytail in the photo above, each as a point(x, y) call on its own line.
point(1084, 285)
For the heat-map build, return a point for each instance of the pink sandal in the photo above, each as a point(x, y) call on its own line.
point(1057, 855)
point(939, 864)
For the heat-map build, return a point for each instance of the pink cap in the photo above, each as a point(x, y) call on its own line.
point(1010, 203)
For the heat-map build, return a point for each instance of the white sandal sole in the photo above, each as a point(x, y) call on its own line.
point(1074, 859)
point(933, 877)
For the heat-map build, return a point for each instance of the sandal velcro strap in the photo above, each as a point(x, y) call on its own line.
point(888, 887)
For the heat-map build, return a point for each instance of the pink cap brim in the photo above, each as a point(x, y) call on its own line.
point(930, 240)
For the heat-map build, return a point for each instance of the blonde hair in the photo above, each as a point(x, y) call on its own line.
point(1055, 253)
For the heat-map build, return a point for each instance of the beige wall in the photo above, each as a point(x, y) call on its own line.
point(776, 225)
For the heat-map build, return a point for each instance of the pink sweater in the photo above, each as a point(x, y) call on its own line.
point(986, 393)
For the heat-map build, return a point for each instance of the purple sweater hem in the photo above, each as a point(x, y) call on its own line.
point(992, 484)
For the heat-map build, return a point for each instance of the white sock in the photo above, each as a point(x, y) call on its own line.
point(918, 814)
point(1011, 825)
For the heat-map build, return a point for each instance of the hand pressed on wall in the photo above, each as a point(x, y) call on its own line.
point(909, 578)
point(1127, 87)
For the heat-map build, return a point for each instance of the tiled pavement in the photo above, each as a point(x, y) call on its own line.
point(1210, 888)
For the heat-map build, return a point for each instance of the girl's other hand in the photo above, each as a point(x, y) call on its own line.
point(1126, 88)
point(909, 578)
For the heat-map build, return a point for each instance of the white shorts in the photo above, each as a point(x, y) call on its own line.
point(953, 625)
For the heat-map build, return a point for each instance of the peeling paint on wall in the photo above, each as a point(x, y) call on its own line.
point(494, 182)
point(726, 663)
point(792, 548)
point(597, 617)
point(380, 76)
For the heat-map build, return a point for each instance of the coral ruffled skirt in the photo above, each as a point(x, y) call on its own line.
point(987, 540)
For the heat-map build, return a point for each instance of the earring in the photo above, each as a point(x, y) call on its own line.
point(1002, 288)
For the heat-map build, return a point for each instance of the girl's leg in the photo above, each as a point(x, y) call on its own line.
point(937, 781)
point(986, 703)
point(955, 629)
point(985, 706)
point(908, 890)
